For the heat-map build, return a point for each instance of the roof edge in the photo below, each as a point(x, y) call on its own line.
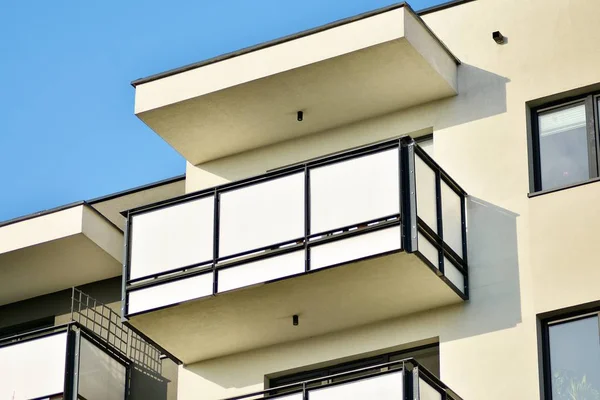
point(304, 33)
point(41, 213)
point(266, 44)
point(90, 203)
point(443, 6)
point(136, 189)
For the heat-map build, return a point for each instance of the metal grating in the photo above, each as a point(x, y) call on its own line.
point(106, 324)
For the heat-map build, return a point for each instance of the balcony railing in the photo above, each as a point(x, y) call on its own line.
point(91, 357)
point(366, 202)
point(397, 380)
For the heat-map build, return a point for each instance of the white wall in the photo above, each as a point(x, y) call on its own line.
point(527, 256)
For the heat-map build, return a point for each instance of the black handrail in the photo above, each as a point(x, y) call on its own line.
point(407, 211)
point(407, 365)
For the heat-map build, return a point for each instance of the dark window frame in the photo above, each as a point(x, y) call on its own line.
point(590, 100)
point(546, 323)
point(348, 366)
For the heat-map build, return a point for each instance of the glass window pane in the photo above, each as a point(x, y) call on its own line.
point(353, 191)
point(427, 392)
point(261, 214)
point(563, 146)
point(426, 196)
point(172, 237)
point(575, 359)
point(101, 377)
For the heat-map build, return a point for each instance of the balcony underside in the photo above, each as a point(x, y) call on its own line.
point(326, 301)
point(57, 251)
point(336, 75)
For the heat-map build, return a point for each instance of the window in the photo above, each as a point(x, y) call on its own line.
point(572, 358)
point(427, 356)
point(565, 143)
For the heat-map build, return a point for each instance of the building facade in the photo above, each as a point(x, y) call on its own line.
point(396, 205)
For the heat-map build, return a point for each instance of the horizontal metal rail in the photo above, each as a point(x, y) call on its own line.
point(310, 239)
point(407, 365)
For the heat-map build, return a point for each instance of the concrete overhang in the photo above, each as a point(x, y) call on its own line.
point(55, 250)
point(353, 69)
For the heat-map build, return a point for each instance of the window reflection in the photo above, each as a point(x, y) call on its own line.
point(575, 359)
point(563, 146)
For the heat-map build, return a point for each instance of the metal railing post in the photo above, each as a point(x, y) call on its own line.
point(408, 195)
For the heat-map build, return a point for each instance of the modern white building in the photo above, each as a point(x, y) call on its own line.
point(398, 205)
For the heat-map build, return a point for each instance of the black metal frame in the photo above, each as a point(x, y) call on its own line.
point(590, 100)
point(407, 214)
point(103, 323)
point(437, 239)
point(546, 323)
point(411, 370)
point(350, 366)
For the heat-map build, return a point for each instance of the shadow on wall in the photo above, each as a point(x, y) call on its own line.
point(482, 94)
point(495, 300)
point(494, 305)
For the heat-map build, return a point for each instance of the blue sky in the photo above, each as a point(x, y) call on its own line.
point(67, 128)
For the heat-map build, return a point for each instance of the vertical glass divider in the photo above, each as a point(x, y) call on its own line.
point(408, 195)
point(126, 268)
point(463, 217)
point(217, 214)
point(440, 224)
point(306, 216)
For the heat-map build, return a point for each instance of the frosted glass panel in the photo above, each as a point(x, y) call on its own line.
point(170, 293)
point(451, 219)
point(353, 191)
point(261, 271)
point(101, 377)
point(262, 214)
point(354, 248)
point(384, 387)
point(454, 275)
point(425, 180)
point(172, 237)
point(428, 250)
point(33, 369)
point(427, 392)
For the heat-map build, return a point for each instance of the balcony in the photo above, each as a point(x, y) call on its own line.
point(357, 68)
point(397, 380)
point(92, 357)
point(349, 239)
point(57, 240)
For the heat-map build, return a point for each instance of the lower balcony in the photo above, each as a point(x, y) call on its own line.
point(93, 357)
point(350, 239)
point(397, 380)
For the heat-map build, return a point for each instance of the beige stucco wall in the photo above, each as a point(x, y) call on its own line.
point(527, 256)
